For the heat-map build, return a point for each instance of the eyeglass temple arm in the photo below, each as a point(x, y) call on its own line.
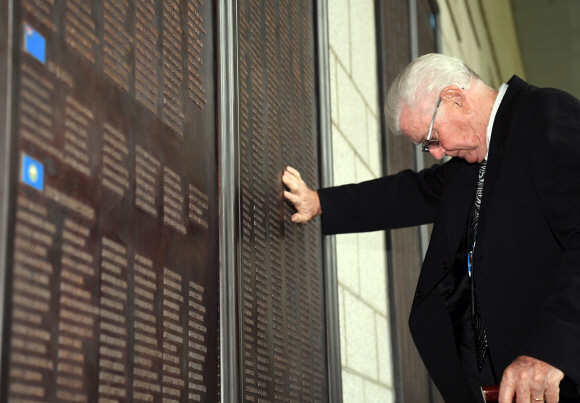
point(433, 119)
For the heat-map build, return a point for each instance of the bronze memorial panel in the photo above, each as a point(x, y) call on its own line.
point(281, 327)
point(112, 259)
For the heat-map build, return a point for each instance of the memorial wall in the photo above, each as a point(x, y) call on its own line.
point(111, 285)
point(112, 281)
point(281, 297)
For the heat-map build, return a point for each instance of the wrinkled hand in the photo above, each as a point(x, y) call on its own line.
point(305, 200)
point(531, 380)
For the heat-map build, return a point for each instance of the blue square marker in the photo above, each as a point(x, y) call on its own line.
point(32, 172)
point(34, 43)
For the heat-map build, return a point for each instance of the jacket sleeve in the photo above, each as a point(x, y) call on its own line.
point(396, 201)
point(555, 166)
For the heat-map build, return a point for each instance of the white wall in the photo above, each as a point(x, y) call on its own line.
point(364, 327)
point(480, 32)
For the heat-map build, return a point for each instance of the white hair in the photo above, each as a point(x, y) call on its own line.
point(426, 75)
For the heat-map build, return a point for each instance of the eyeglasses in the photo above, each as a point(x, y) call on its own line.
point(427, 144)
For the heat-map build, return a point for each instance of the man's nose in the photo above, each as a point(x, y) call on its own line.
point(437, 152)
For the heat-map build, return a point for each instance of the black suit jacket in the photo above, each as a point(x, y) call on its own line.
point(527, 256)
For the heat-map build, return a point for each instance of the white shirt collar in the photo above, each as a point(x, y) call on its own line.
point(501, 92)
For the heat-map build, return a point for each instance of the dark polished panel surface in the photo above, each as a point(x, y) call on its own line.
point(404, 31)
point(112, 280)
point(281, 300)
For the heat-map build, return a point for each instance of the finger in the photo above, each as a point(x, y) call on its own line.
point(523, 392)
point(553, 379)
point(552, 394)
point(507, 390)
point(286, 178)
point(293, 172)
point(292, 197)
point(537, 384)
point(291, 182)
point(298, 218)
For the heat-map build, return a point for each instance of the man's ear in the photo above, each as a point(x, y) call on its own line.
point(457, 95)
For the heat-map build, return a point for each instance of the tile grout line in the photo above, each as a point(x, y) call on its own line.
point(350, 76)
point(362, 301)
point(367, 378)
point(356, 152)
point(344, 324)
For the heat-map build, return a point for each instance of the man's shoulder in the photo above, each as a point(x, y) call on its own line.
point(528, 95)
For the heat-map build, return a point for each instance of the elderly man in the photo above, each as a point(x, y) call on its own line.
point(498, 298)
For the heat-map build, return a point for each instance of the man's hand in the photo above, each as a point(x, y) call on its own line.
point(531, 380)
point(305, 200)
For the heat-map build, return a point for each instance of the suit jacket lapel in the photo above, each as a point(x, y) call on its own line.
point(459, 205)
point(499, 134)
point(489, 180)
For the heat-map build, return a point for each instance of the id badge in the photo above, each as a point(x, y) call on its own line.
point(469, 262)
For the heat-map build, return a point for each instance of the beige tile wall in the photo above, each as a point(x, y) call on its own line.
point(482, 33)
point(364, 328)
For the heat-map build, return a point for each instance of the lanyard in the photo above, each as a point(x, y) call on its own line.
point(470, 256)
